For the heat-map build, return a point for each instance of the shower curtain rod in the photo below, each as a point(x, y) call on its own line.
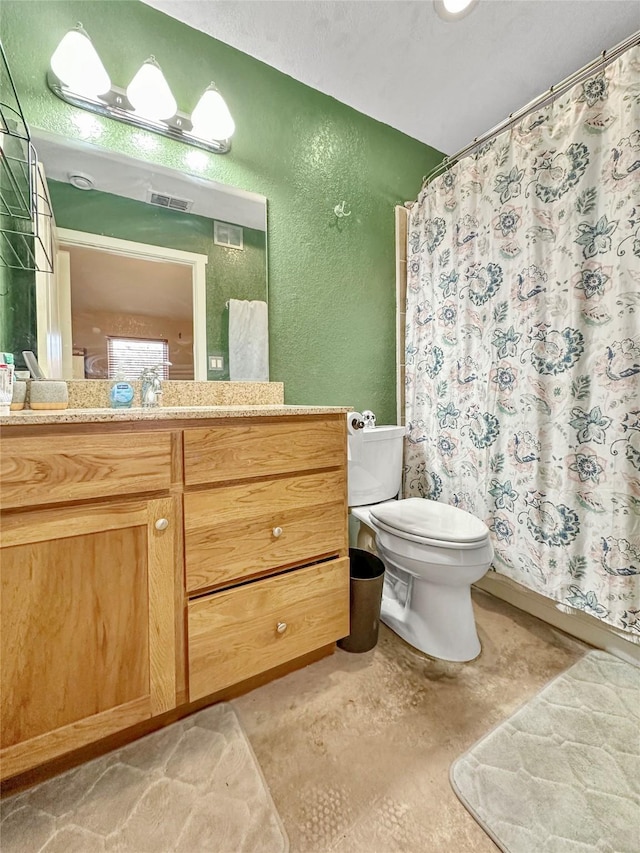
point(604, 59)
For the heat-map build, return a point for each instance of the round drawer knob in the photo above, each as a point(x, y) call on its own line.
point(162, 524)
point(277, 531)
point(281, 627)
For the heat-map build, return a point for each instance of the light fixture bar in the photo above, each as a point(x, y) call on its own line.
point(115, 105)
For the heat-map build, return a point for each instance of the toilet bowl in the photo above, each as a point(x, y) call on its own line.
point(427, 593)
point(432, 552)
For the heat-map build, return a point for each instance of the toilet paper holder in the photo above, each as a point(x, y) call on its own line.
point(357, 421)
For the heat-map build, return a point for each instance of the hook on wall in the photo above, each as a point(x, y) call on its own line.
point(339, 210)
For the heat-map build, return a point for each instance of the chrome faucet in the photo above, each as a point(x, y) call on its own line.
point(151, 386)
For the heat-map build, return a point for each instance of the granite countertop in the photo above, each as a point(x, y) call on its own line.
point(162, 413)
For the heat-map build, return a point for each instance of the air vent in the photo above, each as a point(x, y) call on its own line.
point(171, 202)
point(228, 235)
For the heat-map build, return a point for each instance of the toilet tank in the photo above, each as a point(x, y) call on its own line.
point(375, 464)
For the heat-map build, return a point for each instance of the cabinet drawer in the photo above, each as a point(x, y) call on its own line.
point(248, 529)
point(239, 450)
point(233, 635)
point(59, 468)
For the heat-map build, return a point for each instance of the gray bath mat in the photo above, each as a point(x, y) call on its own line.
point(192, 787)
point(562, 775)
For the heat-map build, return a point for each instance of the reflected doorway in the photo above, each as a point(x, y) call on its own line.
point(126, 309)
point(130, 301)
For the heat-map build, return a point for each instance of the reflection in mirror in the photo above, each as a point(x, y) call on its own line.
point(159, 323)
point(148, 254)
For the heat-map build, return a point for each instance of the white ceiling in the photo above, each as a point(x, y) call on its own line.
point(443, 83)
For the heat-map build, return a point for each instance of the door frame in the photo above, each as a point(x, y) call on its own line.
point(48, 332)
point(144, 251)
point(401, 228)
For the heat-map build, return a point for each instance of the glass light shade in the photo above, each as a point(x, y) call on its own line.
point(77, 65)
point(149, 93)
point(211, 118)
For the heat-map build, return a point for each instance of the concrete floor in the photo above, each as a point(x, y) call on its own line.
point(356, 749)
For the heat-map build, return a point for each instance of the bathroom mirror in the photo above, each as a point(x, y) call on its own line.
point(147, 262)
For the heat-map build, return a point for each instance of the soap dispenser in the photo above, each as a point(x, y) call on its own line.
point(121, 393)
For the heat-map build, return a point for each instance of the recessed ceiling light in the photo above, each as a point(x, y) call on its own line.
point(81, 181)
point(453, 10)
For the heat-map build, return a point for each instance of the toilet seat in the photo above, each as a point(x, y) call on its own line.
point(430, 523)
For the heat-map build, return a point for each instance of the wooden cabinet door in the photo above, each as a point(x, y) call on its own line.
point(88, 625)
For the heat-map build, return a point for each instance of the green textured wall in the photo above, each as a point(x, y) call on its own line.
point(17, 313)
point(231, 274)
point(331, 283)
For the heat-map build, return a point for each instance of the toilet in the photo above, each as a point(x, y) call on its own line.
point(432, 552)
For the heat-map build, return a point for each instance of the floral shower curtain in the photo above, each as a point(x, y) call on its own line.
point(523, 345)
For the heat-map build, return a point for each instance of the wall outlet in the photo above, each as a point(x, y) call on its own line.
point(216, 362)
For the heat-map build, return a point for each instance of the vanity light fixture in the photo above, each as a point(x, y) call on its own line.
point(211, 118)
point(76, 61)
point(149, 93)
point(78, 77)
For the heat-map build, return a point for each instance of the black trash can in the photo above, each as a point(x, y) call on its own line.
point(366, 580)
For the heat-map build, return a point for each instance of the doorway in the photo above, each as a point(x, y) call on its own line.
point(130, 298)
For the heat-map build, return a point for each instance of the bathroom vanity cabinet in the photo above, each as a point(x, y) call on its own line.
point(148, 566)
point(291, 512)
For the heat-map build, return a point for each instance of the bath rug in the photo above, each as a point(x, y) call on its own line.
point(561, 775)
point(192, 786)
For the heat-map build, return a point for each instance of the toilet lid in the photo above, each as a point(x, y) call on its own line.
point(420, 517)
